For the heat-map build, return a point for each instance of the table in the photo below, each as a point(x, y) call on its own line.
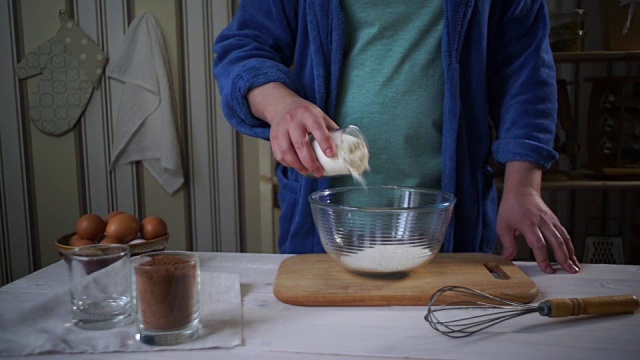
point(274, 330)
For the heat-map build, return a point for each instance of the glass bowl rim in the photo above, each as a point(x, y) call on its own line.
point(448, 203)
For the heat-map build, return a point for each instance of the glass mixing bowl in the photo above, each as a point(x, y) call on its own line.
point(382, 231)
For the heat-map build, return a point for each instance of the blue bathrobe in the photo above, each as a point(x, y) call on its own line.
point(500, 98)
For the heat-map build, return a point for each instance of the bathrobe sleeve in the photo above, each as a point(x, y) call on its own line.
point(522, 84)
point(255, 49)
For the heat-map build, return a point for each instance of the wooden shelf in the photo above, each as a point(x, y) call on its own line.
point(596, 56)
point(587, 181)
point(591, 185)
point(616, 179)
point(586, 185)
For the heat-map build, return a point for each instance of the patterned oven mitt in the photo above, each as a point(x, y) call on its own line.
point(71, 65)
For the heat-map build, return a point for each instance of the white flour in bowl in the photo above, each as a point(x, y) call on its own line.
point(387, 258)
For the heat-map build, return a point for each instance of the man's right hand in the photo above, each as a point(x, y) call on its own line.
point(293, 119)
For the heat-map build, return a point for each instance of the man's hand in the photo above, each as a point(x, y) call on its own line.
point(293, 119)
point(522, 211)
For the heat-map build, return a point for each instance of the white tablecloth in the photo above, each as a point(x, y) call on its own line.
point(272, 329)
point(42, 324)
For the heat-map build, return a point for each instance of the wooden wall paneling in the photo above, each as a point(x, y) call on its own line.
point(16, 247)
point(55, 178)
point(47, 181)
point(199, 118)
point(93, 129)
point(123, 184)
point(257, 195)
point(212, 149)
point(249, 193)
point(226, 170)
point(155, 200)
point(268, 214)
point(260, 229)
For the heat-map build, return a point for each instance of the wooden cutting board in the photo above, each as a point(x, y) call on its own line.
point(317, 280)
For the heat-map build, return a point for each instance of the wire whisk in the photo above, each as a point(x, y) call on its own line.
point(497, 310)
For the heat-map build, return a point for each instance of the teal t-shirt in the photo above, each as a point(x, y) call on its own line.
point(392, 88)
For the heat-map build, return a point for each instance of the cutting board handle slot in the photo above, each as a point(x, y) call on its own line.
point(496, 271)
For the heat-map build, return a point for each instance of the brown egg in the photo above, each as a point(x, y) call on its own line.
point(124, 227)
point(84, 242)
point(153, 227)
point(108, 240)
point(90, 227)
point(112, 215)
point(78, 241)
point(74, 240)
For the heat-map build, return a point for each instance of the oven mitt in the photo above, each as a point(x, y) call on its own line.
point(71, 65)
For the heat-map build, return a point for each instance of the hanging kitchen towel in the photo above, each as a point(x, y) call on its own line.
point(71, 65)
point(145, 127)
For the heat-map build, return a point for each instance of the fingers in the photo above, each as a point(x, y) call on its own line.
point(536, 242)
point(303, 151)
point(290, 138)
point(293, 119)
point(322, 136)
point(508, 241)
point(538, 246)
point(552, 235)
point(291, 148)
point(568, 244)
point(562, 249)
point(526, 213)
point(558, 239)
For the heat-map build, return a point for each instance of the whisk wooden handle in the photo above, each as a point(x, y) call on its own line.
point(598, 305)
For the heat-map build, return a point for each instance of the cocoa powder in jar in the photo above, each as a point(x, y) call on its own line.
point(166, 289)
